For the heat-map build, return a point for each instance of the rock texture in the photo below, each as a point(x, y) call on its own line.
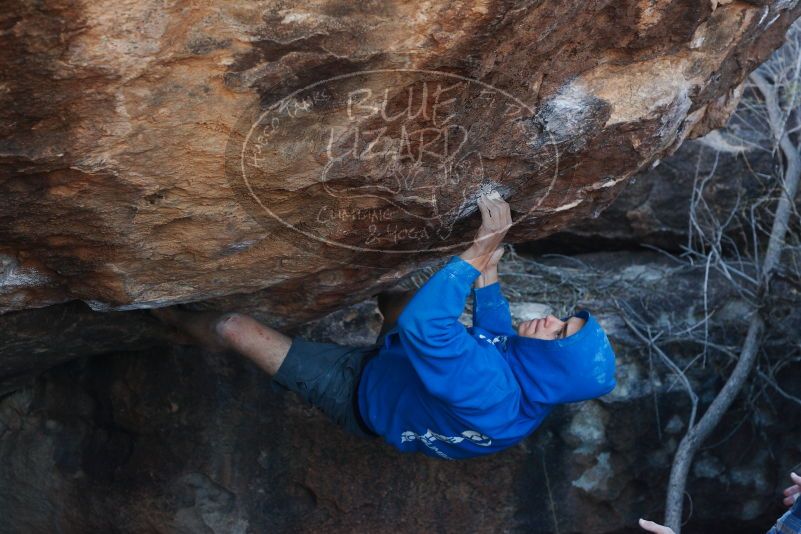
point(35, 340)
point(654, 208)
point(728, 166)
point(153, 153)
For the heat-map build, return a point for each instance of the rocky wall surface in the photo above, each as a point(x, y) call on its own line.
point(309, 154)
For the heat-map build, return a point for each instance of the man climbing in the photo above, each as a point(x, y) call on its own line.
point(430, 384)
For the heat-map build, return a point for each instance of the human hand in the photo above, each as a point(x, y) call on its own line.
point(490, 273)
point(791, 492)
point(496, 219)
point(495, 258)
point(650, 526)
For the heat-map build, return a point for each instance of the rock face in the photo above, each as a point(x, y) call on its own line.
point(308, 155)
point(654, 208)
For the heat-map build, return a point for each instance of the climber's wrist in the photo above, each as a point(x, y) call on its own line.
point(477, 256)
point(488, 276)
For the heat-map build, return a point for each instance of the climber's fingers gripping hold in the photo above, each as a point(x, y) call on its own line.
point(496, 215)
point(496, 219)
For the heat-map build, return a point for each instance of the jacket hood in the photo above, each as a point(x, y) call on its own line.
point(556, 371)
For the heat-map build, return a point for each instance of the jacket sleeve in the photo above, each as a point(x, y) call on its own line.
point(451, 364)
point(790, 522)
point(491, 310)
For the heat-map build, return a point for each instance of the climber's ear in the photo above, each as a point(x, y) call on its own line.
point(574, 324)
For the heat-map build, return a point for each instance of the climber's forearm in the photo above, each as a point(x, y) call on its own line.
point(488, 276)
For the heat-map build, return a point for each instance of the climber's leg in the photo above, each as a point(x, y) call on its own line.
point(265, 346)
point(391, 305)
point(327, 375)
point(217, 332)
point(324, 374)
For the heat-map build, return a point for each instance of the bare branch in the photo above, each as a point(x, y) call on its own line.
point(777, 120)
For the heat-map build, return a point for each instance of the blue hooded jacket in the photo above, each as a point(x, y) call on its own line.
point(453, 392)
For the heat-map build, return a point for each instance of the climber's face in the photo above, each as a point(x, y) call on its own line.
point(550, 327)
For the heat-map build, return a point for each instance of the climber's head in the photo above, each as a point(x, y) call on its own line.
point(549, 327)
point(558, 361)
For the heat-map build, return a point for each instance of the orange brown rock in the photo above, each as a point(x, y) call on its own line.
point(118, 119)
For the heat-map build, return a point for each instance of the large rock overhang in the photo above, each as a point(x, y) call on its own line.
point(293, 160)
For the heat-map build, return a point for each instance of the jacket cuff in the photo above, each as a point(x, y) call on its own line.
point(489, 296)
point(796, 509)
point(458, 268)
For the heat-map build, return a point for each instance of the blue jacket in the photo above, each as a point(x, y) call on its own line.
point(790, 522)
point(453, 392)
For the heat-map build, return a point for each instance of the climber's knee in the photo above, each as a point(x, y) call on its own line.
point(231, 327)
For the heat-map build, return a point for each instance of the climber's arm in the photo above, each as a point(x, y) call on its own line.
point(491, 310)
point(490, 307)
point(449, 361)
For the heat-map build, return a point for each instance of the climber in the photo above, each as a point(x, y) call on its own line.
point(430, 384)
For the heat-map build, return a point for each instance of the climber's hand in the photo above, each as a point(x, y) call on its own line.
point(791, 493)
point(490, 273)
point(495, 258)
point(496, 219)
point(650, 526)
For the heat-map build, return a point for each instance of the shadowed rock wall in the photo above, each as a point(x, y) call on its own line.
point(176, 440)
